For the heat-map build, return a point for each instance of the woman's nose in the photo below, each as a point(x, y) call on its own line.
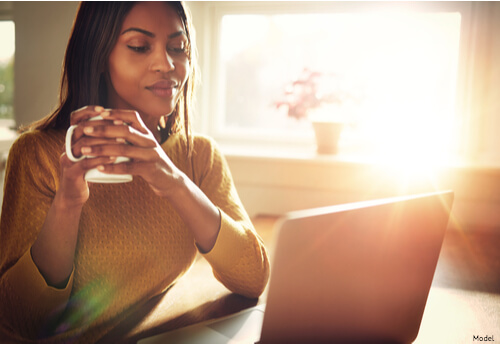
point(162, 62)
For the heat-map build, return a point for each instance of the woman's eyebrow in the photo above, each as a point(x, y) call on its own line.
point(152, 35)
point(145, 32)
point(177, 34)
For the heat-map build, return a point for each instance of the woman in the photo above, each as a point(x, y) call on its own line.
point(75, 256)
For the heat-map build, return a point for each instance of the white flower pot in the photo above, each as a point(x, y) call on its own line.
point(327, 136)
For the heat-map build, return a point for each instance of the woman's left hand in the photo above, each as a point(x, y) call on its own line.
point(137, 142)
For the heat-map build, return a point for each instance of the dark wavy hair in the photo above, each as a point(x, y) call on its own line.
point(95, 31)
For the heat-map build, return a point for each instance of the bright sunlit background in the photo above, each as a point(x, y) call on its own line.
point(7, 50)
point(425, 76)
point(402, 65)
point(7, 41)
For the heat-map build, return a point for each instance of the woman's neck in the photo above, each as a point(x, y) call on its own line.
point(155, 125)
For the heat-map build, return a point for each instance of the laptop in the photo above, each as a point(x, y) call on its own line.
point(352, 273)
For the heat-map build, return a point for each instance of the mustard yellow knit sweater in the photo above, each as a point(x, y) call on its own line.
point(131, 246)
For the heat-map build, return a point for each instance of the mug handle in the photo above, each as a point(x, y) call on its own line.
point(69, 152)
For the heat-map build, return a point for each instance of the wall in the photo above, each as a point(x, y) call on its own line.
point(42, 31)
point(275, 185)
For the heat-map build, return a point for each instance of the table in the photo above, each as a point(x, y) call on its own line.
point(457, 316)
point(463, 304)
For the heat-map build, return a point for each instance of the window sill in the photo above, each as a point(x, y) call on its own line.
point(308, 155)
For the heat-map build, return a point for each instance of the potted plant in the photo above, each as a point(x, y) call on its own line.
point(323, 99)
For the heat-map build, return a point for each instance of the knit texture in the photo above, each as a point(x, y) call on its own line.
point(131, 246)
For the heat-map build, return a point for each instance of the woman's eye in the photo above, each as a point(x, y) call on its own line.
point(138, 49)
point(178, 48)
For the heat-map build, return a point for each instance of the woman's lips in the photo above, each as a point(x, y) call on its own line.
point(163, 88)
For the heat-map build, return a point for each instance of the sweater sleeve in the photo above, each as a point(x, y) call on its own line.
point(239, 258)
point(26, 301)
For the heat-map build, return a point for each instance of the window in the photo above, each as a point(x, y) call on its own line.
point(7, 49)
point(402, 64)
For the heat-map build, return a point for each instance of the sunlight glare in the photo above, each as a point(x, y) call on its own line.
point(245, 31)
point(7, 41)
point(410, 111)
point(403, 64)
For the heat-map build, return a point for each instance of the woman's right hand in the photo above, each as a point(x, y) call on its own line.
point(73, 189)
point(53, 251)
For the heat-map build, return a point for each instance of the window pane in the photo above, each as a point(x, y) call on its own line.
point(7, 49)
point(401, 67)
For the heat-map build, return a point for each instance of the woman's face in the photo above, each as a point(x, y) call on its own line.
point(149, 65)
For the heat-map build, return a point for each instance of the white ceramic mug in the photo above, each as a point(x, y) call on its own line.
point(94, 175)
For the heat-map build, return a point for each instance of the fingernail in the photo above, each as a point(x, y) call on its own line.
point(100, 168)
point(86, 150)
point(88, 130)
point(120, 140)
point(105, 114)
point(98, 109)
point(118, 122)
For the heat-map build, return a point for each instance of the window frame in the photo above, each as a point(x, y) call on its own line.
point(210, 63)
point(7, 14)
